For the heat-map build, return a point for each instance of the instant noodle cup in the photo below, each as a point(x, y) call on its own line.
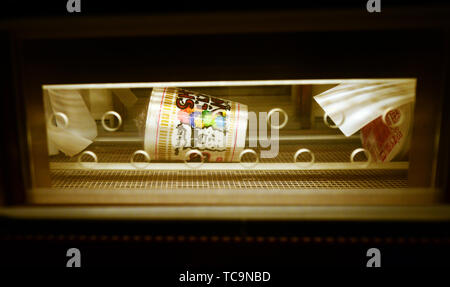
point(179, 120)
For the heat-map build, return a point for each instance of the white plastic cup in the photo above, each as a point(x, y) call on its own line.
point(179, 121)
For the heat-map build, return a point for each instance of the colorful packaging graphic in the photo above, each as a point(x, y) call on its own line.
point(179, 120)
point(386, 141)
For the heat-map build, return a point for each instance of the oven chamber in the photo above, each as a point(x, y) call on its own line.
point(259, 65)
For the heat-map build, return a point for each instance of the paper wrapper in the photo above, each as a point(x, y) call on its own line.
point(385, 142)
point(179, 120)
point(81, 129)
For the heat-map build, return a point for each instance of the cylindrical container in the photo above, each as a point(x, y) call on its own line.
point(179, 120)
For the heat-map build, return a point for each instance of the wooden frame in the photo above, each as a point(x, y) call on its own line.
point(186, 197)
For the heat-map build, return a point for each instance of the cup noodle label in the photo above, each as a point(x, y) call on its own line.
point(385, 142)
point(179, 120)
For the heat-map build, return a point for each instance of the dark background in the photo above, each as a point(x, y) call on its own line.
point(286, 249)
point(32, 9)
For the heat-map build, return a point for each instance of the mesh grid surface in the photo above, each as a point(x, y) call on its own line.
point(227, 179)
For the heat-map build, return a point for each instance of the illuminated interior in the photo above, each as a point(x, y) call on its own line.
point(280, 136)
